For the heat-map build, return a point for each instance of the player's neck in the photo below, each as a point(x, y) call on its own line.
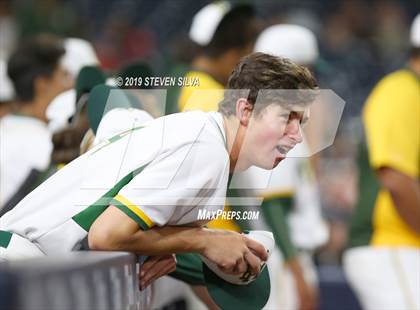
point(35, 108)
point(235, 134)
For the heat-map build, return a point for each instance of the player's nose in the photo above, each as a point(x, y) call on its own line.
point(295, 132)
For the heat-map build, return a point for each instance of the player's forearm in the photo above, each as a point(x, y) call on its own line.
point(294, 265)
point(114, 231)
point(405, 193)
point(165, 240)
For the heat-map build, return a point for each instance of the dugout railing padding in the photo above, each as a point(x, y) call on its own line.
point(77, 280)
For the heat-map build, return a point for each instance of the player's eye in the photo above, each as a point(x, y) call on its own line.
point(285, 116)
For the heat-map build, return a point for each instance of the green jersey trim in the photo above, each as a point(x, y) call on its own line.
point(116, 138)
point(86, 217)
point(5, 237)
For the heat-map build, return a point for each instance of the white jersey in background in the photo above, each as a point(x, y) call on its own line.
point(25, 145)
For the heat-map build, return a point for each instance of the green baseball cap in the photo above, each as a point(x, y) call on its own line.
point(102, 99)
point(88, 78)
point(136, 69)
point(232, 296)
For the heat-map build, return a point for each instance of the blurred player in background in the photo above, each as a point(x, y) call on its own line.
point(224, 34)
point(38, 77)
point(383, 262)
point(79, 53)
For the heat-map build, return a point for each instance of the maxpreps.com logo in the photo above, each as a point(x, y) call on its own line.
point(207, 215)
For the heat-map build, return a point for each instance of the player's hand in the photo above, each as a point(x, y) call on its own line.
point(155, 267)
point(233, 252)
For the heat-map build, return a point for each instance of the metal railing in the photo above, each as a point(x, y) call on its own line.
point(77, 280)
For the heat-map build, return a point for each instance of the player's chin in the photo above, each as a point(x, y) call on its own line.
point(277, 162)
point(271, 164)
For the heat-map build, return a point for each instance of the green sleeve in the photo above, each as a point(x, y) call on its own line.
point(361, 228)
point(244, 225)
point(275, 212)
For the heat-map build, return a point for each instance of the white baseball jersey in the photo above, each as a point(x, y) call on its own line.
point(25, 144)
point(158, 174)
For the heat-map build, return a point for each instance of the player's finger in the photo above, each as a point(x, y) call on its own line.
point(240, 267)
point(162, 268)
point(228, 266)
point(253, 261)
point(157, 264)
point(148, 264)
point(164, 271)
point(257, 248)
point(227, 269)
point(151, 261)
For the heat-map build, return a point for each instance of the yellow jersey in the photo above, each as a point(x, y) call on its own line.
point(392, 125)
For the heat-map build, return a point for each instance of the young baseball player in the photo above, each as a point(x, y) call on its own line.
point(141, 191)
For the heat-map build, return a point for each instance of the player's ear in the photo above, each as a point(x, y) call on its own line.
point(243, 111)
point(41, 83)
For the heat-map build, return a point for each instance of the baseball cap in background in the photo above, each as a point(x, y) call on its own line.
point(415, 32)
point(88, 78)
point(294, 42)
point(79, 53)
point(206, 21)
point(138, 69)
point(7, 92)
point(102, 99)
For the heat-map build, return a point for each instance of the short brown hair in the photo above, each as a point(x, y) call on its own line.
point(259, 71)
point(37, 56)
